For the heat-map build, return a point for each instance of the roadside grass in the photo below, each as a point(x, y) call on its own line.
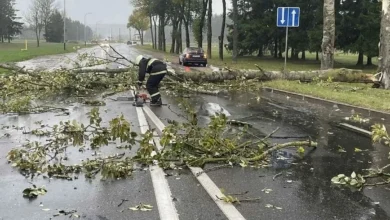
point(12, 52)
point(357, 94)
point(342, 60)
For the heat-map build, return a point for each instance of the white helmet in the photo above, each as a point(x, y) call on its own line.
point(138, 59)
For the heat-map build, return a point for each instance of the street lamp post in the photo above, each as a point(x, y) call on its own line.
point(85, 27)
point(64, 26)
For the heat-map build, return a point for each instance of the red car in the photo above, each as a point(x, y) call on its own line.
point(193, 55)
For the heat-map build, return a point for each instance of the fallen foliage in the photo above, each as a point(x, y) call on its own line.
point(377, 176)
point(184, 144)
point(34, 192)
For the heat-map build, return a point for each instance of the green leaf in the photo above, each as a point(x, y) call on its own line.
point(341, 176)
point(301, 150)
point(358, 150)
point(336, 180)
point(148, 206)
point(353, 182)
point(142, 207)
point(341, 149)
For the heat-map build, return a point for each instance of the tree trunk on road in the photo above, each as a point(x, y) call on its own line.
point(339, 75)
point(209, 28)
point(329, 28)
point(222, 36)
point(235, 30)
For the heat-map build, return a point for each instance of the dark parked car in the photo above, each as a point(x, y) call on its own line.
point(193, 55)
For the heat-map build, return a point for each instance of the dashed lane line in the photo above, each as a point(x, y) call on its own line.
point(211, 188)
point(166, 207)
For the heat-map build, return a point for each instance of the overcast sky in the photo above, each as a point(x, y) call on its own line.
point(103, 11)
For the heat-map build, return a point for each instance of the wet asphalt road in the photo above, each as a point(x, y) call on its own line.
point(303, 189)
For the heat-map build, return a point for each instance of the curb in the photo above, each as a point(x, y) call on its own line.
point(371, 112)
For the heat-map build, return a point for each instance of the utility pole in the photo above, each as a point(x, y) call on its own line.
point(64, 26)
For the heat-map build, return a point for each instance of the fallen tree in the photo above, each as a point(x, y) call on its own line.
point(338, 75)
point(183, 144)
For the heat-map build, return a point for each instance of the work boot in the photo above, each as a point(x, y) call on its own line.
point(157, 102)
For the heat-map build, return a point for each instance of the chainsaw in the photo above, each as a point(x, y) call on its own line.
point(140, 98)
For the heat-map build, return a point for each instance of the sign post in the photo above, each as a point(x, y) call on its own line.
point(287, 17)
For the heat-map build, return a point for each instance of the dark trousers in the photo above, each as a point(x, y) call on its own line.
point(152, 86)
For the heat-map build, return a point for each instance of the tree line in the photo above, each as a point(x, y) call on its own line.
point(357, 26)
point(44, 17)
point(9, 24)
point(194, 16)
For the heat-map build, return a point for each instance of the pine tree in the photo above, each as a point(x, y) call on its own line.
point(55, 25)
point(9, 25)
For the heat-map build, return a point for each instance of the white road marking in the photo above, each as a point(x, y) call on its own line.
point(211, 188)
point(166, 207)
point(160, 126)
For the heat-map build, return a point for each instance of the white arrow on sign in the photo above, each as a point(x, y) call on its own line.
point(293, 17)
point(282, 21)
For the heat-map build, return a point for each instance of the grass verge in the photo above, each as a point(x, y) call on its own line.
point(12, 52)
point(269, 63)
point(357, 94)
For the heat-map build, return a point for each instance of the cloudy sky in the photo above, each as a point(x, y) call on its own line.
point(105, 12)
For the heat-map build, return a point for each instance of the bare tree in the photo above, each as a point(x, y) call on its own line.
point(46, 7)
point(384, 45)
point(328, 38)
point(34, 18)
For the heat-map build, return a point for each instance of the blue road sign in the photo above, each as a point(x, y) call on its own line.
point(288, 17)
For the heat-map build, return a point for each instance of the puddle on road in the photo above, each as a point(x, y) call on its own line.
point(312, 173)
point(91, 198)
point(56, 62)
